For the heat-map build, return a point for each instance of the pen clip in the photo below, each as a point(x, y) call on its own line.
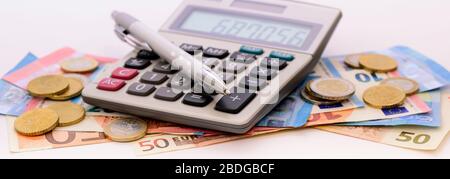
point(123, 35)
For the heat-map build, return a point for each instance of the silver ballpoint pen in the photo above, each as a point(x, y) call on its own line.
point(137, 34)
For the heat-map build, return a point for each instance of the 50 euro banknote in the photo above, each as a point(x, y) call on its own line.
point(412, 137)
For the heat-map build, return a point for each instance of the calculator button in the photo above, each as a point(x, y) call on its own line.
point(124, 73)
point(263, 73)
point(282, 56)
point(140, 89)
point(164, 67)
point(168, 94)
point(243, 58)
point(154, 78)
point(211, 62)
point(197, 100)
point(111, 84)
point(216, 53)
point(138, 64)
point(230, 67)
point(274, 64)
point(251, 50)
point(253, 84)
point(227, 77)
point(235, 103)
point(199, 88)
point(147, 55)
point(180, 82)
point(191, 49)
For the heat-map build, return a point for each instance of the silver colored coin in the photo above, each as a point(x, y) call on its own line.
point(353, 61)
point(126, 129)
point(313, 100)
point(336, 89)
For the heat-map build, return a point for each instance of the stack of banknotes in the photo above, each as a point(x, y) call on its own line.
point(422, 123)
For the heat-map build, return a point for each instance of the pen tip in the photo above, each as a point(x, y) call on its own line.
point(227, 92)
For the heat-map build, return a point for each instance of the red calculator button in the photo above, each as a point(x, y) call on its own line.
point(124, 73)
point(110, 84)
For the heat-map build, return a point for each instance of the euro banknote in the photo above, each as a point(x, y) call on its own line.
point(12, 97)
point(412, 137)
point(431, 119)
point(55, 139)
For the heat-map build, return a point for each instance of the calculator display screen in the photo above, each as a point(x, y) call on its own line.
point(271, 31)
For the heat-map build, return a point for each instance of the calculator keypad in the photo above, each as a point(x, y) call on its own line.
point(153, 80)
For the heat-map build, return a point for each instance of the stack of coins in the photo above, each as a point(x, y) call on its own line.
point(328, 91)
point(55, 87)
point(372, 62)
point(41, 121)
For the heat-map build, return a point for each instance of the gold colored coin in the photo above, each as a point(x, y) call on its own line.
point(384, 96)
point(409, 86)
point(353, 61)
point(378, 63)
point(79, 65)
point(69, 113)
point(75, 89)
point(126, 129)
point(335, 89)
point(48, 85)
point(36, 122)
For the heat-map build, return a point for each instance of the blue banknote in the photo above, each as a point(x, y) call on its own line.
point(432, 119)
point(12, 98)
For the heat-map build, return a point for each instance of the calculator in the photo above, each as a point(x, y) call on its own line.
point(263, 50)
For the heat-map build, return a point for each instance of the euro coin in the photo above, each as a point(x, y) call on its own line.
point(69, 113)
point(378, 63)
point(79, 65)
point(126, 129)
point(75, 89)
point(353, 61)
point(384, 96)
point(36, 122)
point(314, 100)
point(409, 86)
point(334, 89)
point(48, 85)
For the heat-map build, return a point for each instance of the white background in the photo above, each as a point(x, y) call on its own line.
point(46, 25)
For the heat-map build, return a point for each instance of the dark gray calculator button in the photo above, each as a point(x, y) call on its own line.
point(191, 49)
point(263, 73)
point(227, 77)
point(136, 63)
point(180, 82)
point(252, 83)
point(216, 53)
point(164, 67)
point(211, 62)
point(147, 55)
point(243, 58)
point(168, 94)
point(199, 88)
point(154, 78)
point(230, 67)
point(235, 103)
point(197, 100)
point(140, 89)
point(274, 64)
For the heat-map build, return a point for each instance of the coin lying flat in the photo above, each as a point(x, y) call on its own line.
point(384, 96)
point(79, 65)
point(314, 100)
point(69, 113)
point(334, 89)
point(409, 86)
point(378, 63)
point(36, 122)
point(75, 89)
point(48, 85)
point(353, 61)
point(126, 129)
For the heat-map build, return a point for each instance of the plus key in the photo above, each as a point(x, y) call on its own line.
point(235, 102)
